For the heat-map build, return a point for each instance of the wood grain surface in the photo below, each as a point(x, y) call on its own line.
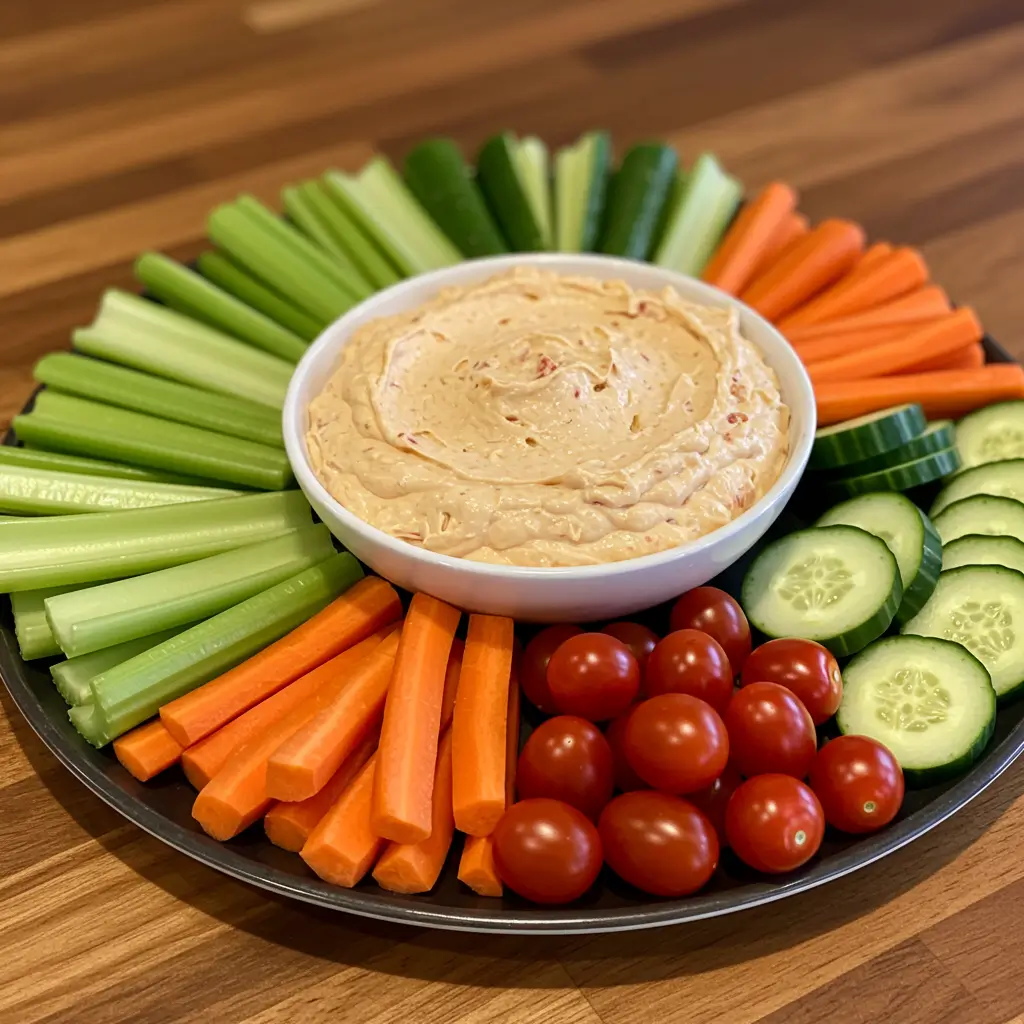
point(123, 121)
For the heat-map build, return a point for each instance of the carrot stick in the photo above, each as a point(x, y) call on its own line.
point(969, 358)
point(359, 612)
point(303, 764)
point(949, 335)
point(873, 255)
point(886, 278)
point(289, 825)
point(792, 229)
point(147, 750)
point(237, 795)
point(734, 264)
point(944, 394)
point(831, 346)
point(480, 725)
point(404, 779)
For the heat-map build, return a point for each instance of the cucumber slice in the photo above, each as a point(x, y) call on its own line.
point(866, 436)
point(982, 514)
point(910, 536)
point(440, 179)
point(535, 174)
point(929, 701)
point(936, 437)
point(838, 585)
point(636, 199)
point(581, 185)
point(898, 478)
point(982, 608)
point(992, 434)
point(1003, 479)
point(499, 174)
point(977, 549)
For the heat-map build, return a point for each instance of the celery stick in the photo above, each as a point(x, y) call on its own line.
point(79, 427)
point(136, 689)
point(184, 290)
point(139, 333)
point(706, 207)
point(115, 612)
point(35, 638)
point(36, 458)
point(72, 676)
point(141, 392)
point(90, 725)
point(535, 173)
point(221, 271)
point(350, 236)
point(56, 551)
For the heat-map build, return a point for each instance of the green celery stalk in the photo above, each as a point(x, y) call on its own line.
point(141, 334)
point(55, 551)
point(233, 279)
point(115, 385)
point(35, 638)
point(535, 173)
point(307, 219)
point(35, 458)
point(79, 427)
point(46, 493)
point(136, 689)
point(90, 725)
point(116, 612)
point(186, 291)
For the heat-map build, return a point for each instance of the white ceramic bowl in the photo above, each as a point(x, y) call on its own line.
point(577, 594)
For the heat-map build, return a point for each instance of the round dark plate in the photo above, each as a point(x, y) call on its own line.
point(163, 808)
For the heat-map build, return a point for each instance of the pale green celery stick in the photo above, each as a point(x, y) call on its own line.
point(115, 612)
point(115, 385)
point(569, 185)
point(72, 676)
point(90, 725)
point(55, 551)
point(234, 231)
point(136, 689)
point(141, 334)
point(238, 282)
point(705, 209)
point(35, 638)
point(36, 458)
point(535, 174)
point(186, 291)
point(79, 427)
point(350, 236)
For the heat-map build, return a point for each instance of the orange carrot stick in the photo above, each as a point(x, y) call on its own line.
point(360, 611)
point(237, 795)
point(404, 779)
point(734, 264)
point(969, 358)
point(949, 335)
point(480, 725)
point(810, 265)
point(831, 346)
point(792, 229)
point(944, 394)
point(147, 750)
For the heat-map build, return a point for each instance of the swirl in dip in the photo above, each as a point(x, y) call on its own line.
point(545, 420)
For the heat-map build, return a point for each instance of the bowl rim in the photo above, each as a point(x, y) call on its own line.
point(337, 334)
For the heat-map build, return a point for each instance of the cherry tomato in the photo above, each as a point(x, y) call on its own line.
point(774, 823)
point(547, 851)
point(714, 612)
point(659, 843)
point(688, 661)
point(567, 759)
point(593, 675)
point(638, 638)
point(806, 668)
point(713, 801)
point(626, 780)
point(859, 783)
point(676, 743)
point(533, 665)
point(770, 731)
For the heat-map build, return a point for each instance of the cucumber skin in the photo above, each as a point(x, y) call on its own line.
point(499, 182)
point(597, 192)
point(917, 448)
point(916, 596)
point(836, 450)
point(898, 478)
point(637, 197)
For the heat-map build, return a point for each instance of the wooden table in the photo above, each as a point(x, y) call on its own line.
point(124, 121)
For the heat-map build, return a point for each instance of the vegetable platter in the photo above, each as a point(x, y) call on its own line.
point(178, 623)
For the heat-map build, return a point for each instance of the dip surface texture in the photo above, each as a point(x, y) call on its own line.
point(545, 420)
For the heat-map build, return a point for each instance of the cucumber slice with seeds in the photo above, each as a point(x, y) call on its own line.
point(866, 436)
point(838, 585)
point(499, 174)
point(992, 434)
point(637, 197)
point(982, 608)
point(1003, 479)
point(977, 549)
point(982, 514)
point(930, 701)
point(904, 477)
point(936, 438)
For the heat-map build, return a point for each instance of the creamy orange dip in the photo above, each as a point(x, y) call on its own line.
point(545, 420)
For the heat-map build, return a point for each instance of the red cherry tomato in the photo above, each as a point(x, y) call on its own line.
point(533, 666)
point(713, 801)
point(626, 780)
point(547, 851)
point(638, 638)
point(774, 823)
point(676, 743)
point(859, 784)
point(714, 612)
point(567, 759)
point(806, 668)
point(593, 675)
point(688, 661)
point(770, 731)
point(659, 843)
